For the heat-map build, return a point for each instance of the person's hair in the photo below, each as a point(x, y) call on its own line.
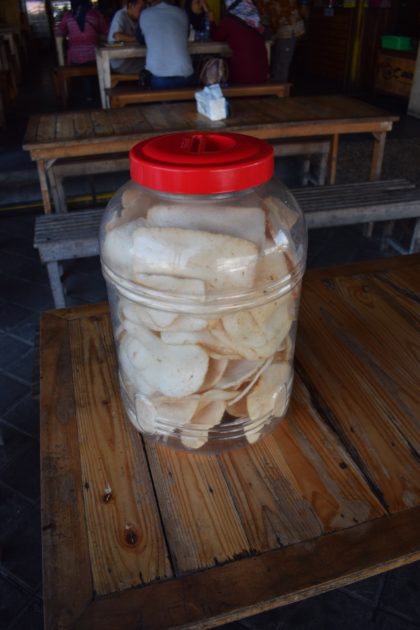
point(79, 8)
point(132, 3)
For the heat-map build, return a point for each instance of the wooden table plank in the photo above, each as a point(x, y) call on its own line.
point(126, 541)
point(299, 482)
point(46, 130)
point(67, 576)
point(102, 125)
point(82, 124)
point(407, 283)
point(265, 113)
point(332, 354)
point(201, 523)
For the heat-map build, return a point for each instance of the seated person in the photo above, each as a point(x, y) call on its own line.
point(165, 30)
point(196, 15)
point(123, 29)
point(84, 28)
point(243, 31)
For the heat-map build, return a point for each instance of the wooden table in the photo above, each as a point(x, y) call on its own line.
point(89, 133)
point(136, 535)
point(105, 53)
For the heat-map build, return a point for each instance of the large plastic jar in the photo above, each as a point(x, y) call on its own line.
point(203, 253)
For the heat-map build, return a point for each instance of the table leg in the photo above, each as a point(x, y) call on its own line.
point(100, 65)
point(333, 159)
point(106, 79)
point(375, 169)
point(377, 155)
point(42, 174)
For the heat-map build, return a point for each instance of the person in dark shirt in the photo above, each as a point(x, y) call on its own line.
point(241, 28)
point(196, 14)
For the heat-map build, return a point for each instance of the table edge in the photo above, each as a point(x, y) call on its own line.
point(363, 551)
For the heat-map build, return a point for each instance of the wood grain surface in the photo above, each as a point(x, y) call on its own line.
point(126, 542)
point(67, 580)
point(288, 116)
point(331, 496)
point(358, 346)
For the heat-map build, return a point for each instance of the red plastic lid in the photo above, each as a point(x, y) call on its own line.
point(199, 163)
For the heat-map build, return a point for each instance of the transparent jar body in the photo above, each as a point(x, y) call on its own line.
point(204, 294)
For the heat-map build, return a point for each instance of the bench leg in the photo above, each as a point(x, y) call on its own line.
point(415, 238)
point(367, 230)
point(306, 168)
point(387, 233)
point(323, 166)
point(56, 284)
point(333, 159)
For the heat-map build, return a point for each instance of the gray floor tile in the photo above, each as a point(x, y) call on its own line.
point(11, 315)
point(24, 416)
point(18, 246)
point(387, 621)
point(369, 590)
point(10, 392)
point(27, 294)
point(11, 350)
point(23, 367)
point(13, 508)
point(331, 611)
point(401, 593)
point(22, 550)
point(26, 329)
point(23, 472)
point(31, 618)
point(12, 600)
point(14, 444)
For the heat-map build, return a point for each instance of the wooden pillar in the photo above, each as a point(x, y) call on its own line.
point(414, 102)
point(356, 52)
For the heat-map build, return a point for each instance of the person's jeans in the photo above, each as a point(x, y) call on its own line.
point(163, 83)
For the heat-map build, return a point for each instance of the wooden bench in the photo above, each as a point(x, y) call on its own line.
point(122, 96)
point(63, 74)
point(75, 235)
point(365, 202)
point(61, 237)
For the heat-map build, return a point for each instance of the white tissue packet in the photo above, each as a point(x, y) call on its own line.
point(211, 102)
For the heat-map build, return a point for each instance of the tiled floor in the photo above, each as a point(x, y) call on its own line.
point(388, 602)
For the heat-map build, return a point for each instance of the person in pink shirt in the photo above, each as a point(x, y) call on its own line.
point(84, 28)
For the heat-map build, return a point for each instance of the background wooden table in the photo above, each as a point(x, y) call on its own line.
point(98, 132)
point(136, 535)
point(105, 53)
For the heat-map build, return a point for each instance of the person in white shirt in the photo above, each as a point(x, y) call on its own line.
point(123, 29)
point(165, 30)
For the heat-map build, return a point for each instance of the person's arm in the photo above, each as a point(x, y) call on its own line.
point(116, 32)
point(119, 36)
